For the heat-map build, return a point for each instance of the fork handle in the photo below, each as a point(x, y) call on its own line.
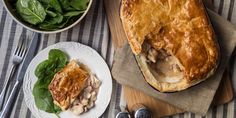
point(6, 85)
point(11, 100)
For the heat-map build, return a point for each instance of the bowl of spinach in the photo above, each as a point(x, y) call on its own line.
point(47, 16)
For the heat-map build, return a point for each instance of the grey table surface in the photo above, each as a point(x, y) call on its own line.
point(94, 32)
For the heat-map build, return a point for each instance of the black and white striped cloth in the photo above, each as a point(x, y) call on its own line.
point(94, 32)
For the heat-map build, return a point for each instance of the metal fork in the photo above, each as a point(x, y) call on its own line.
point(18, 56)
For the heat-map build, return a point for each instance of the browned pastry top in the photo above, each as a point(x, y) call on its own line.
point(181, 27)
point(67, 84)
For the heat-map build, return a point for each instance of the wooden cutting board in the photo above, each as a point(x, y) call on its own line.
point(160, 108)
point(132, 96)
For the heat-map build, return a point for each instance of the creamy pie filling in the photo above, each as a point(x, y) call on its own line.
point(164, 66)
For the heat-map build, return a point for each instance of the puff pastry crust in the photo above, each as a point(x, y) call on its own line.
point(67, 84)
point(181, 28)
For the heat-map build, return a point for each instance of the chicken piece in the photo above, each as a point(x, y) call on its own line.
point(84, 102)
point(77, 109)
point(93, 96)
point(90, 105)
point(152, 55)
point(88, 89)
point(86, 95)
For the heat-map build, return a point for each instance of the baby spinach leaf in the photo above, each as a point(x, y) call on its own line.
point(48, 26)
point(52, 23)
point(65, 22)
point(73, 13)
point(44, 1)
point(55, 20)
point(53, 4)
point(51, 13)
point(65, 4)
point(56, 5)
point(39, 91)
point(79, 4)
point(31, 11)
point(45, 103)
point(55, 54)
point(57, 109)
point(41, 69)
point(42, 83)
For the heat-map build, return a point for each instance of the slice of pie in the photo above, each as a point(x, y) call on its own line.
point(173, 41)
point(67, 84)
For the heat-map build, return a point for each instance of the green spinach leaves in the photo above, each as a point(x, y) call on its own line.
point(51, 14)
point(79, 4)
point(45, 72)
point(31, 11)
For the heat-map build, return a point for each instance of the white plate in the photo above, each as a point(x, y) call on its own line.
point(83, 54)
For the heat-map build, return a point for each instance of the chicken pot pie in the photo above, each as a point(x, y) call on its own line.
point(67, 84)
point(75, 88)
point(173, 41)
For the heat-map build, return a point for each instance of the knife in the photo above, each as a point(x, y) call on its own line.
point(15, 91)
point(122, 107)
point(122, 104)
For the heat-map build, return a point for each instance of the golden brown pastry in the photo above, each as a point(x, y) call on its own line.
point(67, 84)
point(173, 41)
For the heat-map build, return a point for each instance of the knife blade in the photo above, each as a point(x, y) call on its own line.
point(123, 112)
point(122, 104)
point(20, 76)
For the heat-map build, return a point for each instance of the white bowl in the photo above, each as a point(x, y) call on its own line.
point(8, 4)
